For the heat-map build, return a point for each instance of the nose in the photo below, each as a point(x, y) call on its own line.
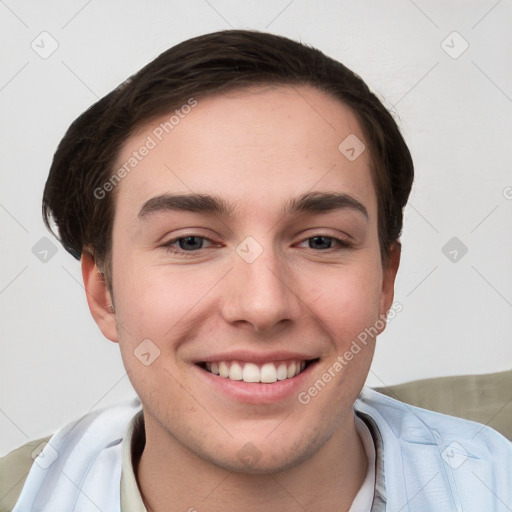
point(262, 294)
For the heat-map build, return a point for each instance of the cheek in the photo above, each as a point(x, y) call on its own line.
point(146, 305)
point(149, 305)
point(160, 302)
point(348, 308)
point(347, 301)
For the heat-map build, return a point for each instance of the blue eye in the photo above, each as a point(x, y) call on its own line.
point(187, 245)
point(190, 242)
point(322, 239)
point(191, 245)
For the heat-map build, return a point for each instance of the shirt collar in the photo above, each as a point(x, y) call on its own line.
point(379, 499)
point(133, 445)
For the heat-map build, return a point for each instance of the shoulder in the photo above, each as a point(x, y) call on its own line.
point(437, 457)
point(75, 446)
point(415, 424)
point(14, 469)
point(444, 462)
point(484, 398)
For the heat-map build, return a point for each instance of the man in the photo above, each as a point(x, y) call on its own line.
point(237, 206)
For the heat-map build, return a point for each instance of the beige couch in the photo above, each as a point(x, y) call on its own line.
point(484, 398)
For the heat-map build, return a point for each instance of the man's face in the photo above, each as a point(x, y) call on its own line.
point(259, 293)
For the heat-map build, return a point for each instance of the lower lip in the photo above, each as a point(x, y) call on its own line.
point(257, 392)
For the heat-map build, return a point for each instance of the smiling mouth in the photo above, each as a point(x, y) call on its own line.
point(266, 373)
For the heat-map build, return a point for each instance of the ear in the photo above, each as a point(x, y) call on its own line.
point(98, 297)
point(388, 279)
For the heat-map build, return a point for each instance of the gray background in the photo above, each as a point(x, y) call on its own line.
point(453, 106)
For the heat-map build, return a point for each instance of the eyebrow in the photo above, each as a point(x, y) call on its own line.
point(311, 202)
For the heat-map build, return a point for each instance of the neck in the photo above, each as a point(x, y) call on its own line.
point(170, 476)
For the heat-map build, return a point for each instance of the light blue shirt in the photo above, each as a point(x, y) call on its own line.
point(431, 462)
point(425, 462)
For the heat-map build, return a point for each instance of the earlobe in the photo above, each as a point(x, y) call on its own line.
point(98, 297)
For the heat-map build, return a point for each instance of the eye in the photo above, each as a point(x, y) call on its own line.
point(191, 245)
point(324, 243)
point(187, 245)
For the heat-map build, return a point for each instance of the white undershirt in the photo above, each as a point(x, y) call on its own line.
point(364, 498)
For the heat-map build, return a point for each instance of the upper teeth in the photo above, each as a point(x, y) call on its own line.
point(251, 372)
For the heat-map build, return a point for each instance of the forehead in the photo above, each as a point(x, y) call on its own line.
point(256, 147)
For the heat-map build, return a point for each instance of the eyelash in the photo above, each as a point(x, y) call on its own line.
point(343, 245)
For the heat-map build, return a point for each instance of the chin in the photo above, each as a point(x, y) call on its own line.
point(270, 458)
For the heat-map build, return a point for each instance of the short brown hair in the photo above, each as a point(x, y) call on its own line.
point(199, 67)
